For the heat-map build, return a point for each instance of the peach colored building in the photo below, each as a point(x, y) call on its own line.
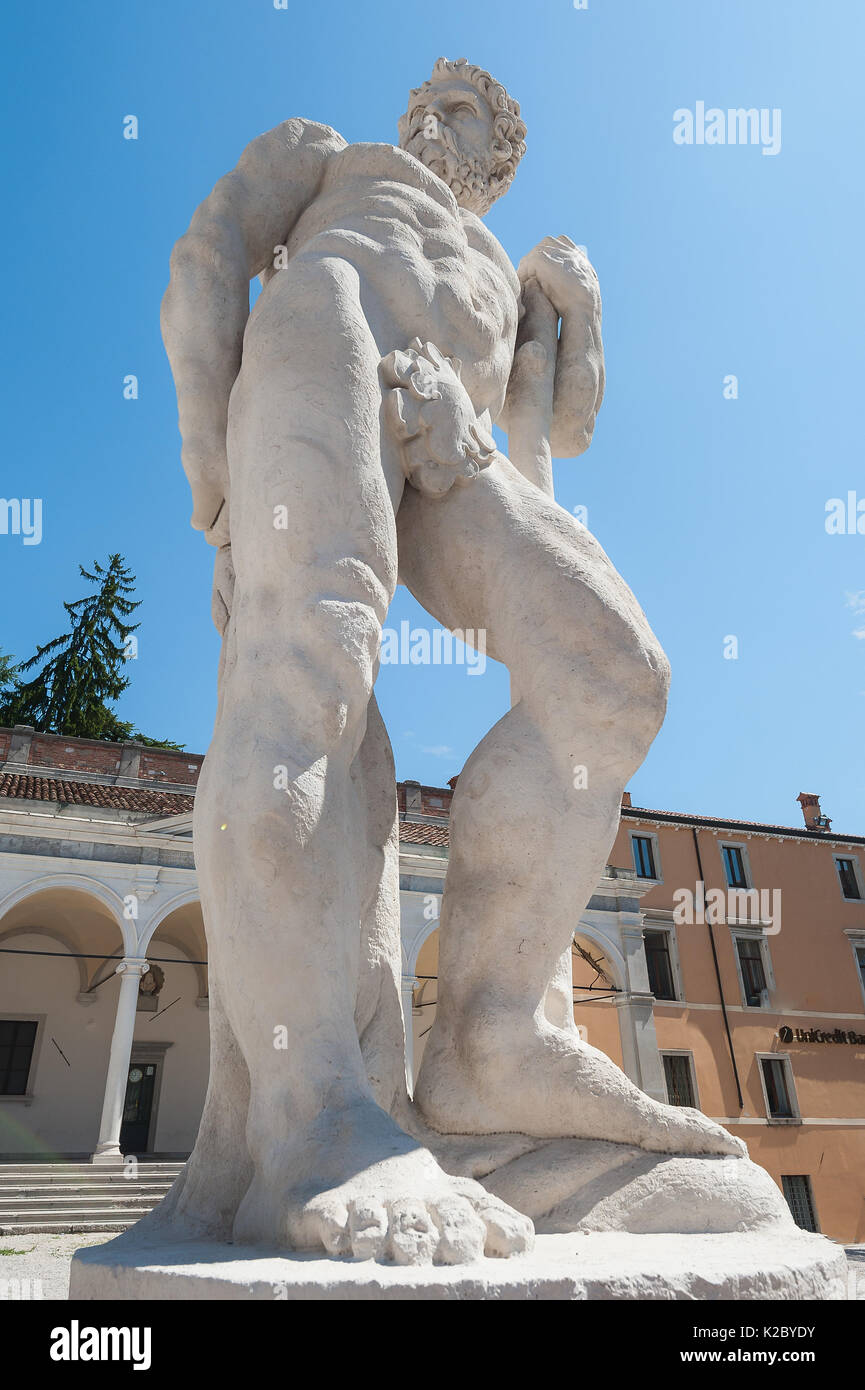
point(759, 991)
point(744, 997)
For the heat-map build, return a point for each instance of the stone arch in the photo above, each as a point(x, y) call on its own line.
point(184, 899)
point(76, 883)
point(84, 892)
point(22, 929)
point(187, 898)
point(412, 949)
point(610, 950)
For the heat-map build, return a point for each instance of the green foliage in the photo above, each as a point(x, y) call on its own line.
point(8, 675)
point(82, 670)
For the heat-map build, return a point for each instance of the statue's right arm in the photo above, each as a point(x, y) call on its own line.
point(231, 239)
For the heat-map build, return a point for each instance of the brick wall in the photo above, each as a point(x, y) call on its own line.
point(84, 755)
point(434, 801)
point(78, 754)
point(178, 767)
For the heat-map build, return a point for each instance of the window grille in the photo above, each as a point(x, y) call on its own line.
point(680, 1082)
point(797, 1190)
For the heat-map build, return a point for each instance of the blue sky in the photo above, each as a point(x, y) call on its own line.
point(713, 260)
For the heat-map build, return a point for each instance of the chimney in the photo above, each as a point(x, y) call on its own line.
point(814, 820)
point(626, 798)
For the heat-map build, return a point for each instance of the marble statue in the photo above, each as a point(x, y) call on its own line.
point(337, 437)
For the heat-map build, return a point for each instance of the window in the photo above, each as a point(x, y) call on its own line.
point(659, 964)
point(679, 1076)
point(860, 961)
point(797, 1190)
point(849, 878)
point(17, 1040)
point(734, 866)
point(778, 1088)
point(752, 969)
point(644, 856)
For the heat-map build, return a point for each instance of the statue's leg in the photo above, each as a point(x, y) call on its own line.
point(280, 824)
point(378, 1010)
point(203, 1200)
point(529, 841)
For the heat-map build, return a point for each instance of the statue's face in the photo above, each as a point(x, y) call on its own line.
point(452, 133)
point(460, 109)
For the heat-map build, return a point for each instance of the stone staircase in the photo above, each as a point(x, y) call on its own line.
point(61, 1198)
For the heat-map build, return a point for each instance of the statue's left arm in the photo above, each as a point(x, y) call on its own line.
point(557, 380)
point(232, 237)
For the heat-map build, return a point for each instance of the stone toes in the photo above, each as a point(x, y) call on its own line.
point(736, 1146)
point(711, 1137)
point(462, 1234)
point(367, 1228)
point(508, 1232)
point(413, 1234)
point(333, 1230)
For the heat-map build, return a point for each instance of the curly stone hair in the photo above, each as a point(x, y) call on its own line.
point(509, 129)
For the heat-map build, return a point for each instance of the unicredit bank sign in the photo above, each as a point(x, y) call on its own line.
point(817, 1035)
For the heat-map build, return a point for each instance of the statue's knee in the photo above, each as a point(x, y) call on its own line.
point(304, 679)
point(642, 676)
point(653, 684)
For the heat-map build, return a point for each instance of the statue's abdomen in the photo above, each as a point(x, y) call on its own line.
point(399, 225)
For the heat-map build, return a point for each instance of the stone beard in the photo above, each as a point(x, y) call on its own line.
point(470, 179)
point(477, 178)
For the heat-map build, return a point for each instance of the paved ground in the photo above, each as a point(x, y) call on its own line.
point(44, 1261)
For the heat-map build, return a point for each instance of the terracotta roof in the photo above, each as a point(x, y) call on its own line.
point(690, 817)
point(153, 800)
point(411, 833)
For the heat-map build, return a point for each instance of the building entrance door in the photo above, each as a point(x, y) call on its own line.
point(138, 1108)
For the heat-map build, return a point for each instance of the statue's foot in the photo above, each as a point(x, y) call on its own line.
point(374, 1193)
point(530, 1078)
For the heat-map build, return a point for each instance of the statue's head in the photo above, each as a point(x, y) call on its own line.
point(463, 125)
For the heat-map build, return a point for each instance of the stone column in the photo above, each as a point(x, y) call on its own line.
point(108, 1148)
point(640, 1056)
point(637, 1019)
point(409, 984)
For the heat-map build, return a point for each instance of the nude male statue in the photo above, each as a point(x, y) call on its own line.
point(337, 434)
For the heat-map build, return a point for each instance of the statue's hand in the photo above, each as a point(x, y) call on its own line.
point(564, 273)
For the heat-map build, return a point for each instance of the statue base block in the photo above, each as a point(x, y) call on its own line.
point(770, 1265)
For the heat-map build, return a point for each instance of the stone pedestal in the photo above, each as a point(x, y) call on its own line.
point(617, 1265)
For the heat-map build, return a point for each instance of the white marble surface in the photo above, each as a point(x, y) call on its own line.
point(792, 1266)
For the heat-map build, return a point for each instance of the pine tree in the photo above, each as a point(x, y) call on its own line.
point(8, 675)
point(83, 668)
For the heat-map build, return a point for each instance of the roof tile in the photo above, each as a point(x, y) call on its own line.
point(111, 798)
